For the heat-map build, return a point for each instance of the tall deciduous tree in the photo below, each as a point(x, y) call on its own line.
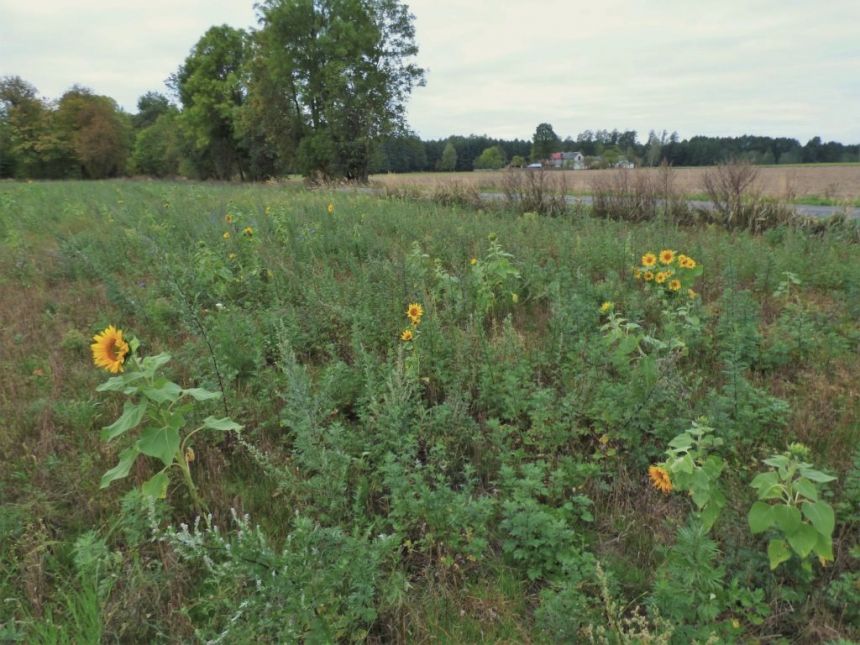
point(544, 142)
point(211, 85)
point(333, 77)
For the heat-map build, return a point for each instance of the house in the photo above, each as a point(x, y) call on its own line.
point(568, 160)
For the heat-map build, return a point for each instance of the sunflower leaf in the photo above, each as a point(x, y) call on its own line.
point(117, 383)
point(224, 424)
point(777, 553)
point(166, 391)
point(161, 443)
point(200, 394)
point(821, 516)
point(132, 414)
point(126, 460)
point(156, 486)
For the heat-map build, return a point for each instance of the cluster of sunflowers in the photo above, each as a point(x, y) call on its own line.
point(229, 220)
point(413, 312)
point(669, 272)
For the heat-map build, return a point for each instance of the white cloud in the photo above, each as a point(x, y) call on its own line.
point(500, 67)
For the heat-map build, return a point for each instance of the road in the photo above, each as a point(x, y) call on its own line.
point(801, 209)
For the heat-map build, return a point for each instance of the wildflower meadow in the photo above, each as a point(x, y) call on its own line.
point(258, 413)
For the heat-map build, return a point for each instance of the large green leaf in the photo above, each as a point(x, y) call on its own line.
point(807, 489)
point(224, 424)
point(132, 414)
point(164, 392)
point(777, 553)
point(816, 475)
point(119, 383)
point(199, 394)
point(126, 460)
point(824, 548)
point(786, 518)
point(760, 517)
point(767, 485)
point(821, 516)
point(156, 486)
point(803, 539)
point(160, 442)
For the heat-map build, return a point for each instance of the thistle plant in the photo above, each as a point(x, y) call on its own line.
point(789, 505)
point(158, 407)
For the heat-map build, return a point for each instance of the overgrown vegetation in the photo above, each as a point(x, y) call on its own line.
point(488, 476)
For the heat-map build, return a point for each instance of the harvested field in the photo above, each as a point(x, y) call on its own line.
point(826, 182)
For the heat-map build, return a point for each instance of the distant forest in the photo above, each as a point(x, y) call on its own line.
point(86, 135)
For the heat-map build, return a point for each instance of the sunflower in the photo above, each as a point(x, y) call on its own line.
point(675, 285)
point(109, 350)
point(682, 259)
point(648, 275)
point(473, 261)
point(689, 264)
point(228, 218)
point(414, 312)
point(248, 231)
point(231, 256)
point(660, 478)
point(661, 276)
point(406, 335)
point(330, 208)
point(226, 235)
point(606, 307)
point(649, 260)
point(666, 256)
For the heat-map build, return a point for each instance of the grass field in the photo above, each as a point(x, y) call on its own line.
point(482, 472)
point(816, 184)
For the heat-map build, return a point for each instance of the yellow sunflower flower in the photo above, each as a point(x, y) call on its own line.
point(248, 231)
point(228, 218)
point(660, 478)
point(689, 264)
point(682, 259)
point(414, 312)
point(109, 349)
point(675, 285)
point(406, 335)
point(649, 260)
point(661, 276)
point(473, 261)
point(648, 275)
point(666, 256)
point(606, 307)
point(330, 208)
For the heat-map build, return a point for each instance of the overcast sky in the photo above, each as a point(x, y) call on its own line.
point(500, 67)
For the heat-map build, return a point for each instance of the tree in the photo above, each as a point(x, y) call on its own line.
point(211, 85)
point(491, 158)
point(334, 75)
point(150, 106)
point(157, 148)
point(448, 162)
point(544, 142)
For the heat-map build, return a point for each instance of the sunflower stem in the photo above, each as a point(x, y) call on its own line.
point(199, 505)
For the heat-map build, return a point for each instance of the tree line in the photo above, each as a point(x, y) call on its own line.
point(319, 89)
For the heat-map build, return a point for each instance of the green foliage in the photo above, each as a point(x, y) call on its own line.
point(448, 160)
point(162, 408)
point(319, 587)
point(491, 158)
point(694, 469)
point(789, 503)
point(335, 76)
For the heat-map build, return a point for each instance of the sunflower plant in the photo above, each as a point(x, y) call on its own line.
point(692, 466)
point(669, 272)
point(157, 407)
point(790, 506)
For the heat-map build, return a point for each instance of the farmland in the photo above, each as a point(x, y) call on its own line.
point(810, 183)
point(408, 422)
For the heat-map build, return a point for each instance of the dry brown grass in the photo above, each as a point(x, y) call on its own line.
point(787, 182)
